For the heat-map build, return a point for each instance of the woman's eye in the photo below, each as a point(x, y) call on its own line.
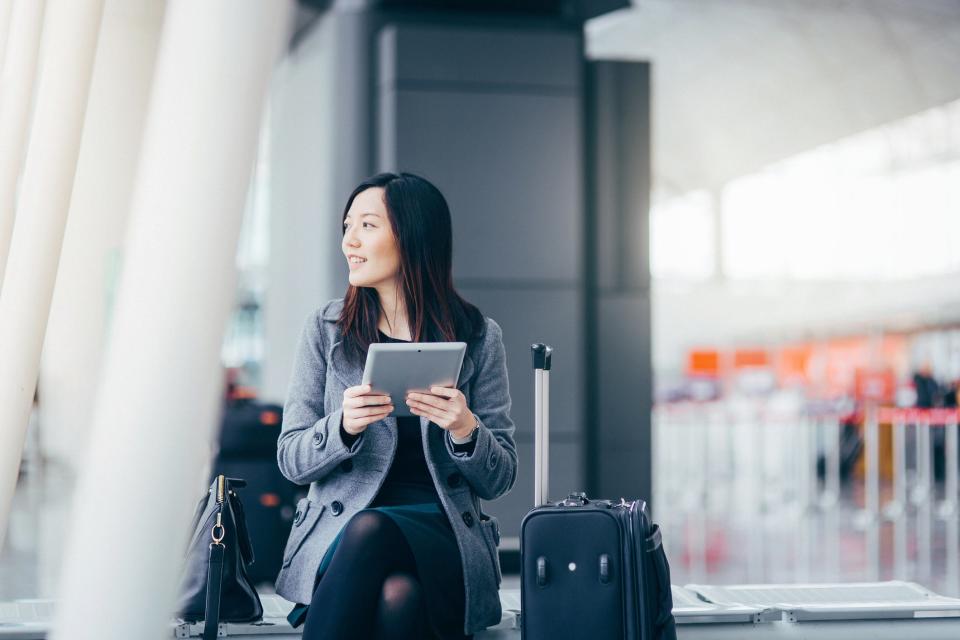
point(371, 226)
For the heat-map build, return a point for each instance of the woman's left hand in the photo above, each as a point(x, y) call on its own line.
point(445, 407)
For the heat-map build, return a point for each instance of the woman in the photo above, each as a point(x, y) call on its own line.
point(390, 541)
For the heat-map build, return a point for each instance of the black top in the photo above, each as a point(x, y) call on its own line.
point(408, 481)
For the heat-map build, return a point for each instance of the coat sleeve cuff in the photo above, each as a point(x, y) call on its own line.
point(474, 458)
point(337, 445)
point(489, 469)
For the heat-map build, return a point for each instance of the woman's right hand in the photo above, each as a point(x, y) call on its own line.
point(361, 408)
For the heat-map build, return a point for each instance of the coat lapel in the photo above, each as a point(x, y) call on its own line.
point(350, 373)
point(466, 371)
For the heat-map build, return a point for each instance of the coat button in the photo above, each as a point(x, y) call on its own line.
point(336, 507)
point(454, 480)
point(468, 518)
point(346, 466)
point(492, 460)
point(317, 439)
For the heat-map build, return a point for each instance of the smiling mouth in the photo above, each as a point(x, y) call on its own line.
point(356, 260)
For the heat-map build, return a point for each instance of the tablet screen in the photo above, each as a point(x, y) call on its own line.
point(398, 368)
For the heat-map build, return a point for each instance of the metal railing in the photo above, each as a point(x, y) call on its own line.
point(754, 490)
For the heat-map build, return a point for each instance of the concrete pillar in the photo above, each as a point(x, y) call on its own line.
point(159, 395)
point(92, 245)
point(304, 159)
point(17, 72)
point(69, 42)
point(620, 391)
point(320, 148)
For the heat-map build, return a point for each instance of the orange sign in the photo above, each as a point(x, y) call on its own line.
point(793, 365)
point(750, 358)
point(703, 363)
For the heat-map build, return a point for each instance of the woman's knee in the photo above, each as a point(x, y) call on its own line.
point(367, 526)
point(401, 591)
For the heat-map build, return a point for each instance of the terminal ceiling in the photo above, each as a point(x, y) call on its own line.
point(740, 84)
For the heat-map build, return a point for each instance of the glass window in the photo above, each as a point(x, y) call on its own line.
point(681, 237)
point(881, 205)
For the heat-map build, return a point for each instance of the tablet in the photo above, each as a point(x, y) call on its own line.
point(398, 367)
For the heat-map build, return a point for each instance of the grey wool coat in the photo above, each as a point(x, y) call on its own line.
point(310, 451)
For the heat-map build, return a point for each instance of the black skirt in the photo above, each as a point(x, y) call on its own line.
point(427, 530)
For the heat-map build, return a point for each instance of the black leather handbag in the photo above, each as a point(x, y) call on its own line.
point(215, 586)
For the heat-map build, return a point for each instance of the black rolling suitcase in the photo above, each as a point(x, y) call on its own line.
point(589, 568)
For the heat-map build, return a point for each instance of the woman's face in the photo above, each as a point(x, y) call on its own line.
point(368, 242)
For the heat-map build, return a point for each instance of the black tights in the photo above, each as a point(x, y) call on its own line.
point(370, 588)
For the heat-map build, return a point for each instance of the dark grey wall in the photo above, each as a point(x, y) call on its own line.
point(493, 117)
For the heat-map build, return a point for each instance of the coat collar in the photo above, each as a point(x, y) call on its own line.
point(350, 371)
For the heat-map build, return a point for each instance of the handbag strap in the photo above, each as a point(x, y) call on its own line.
point(211, 622)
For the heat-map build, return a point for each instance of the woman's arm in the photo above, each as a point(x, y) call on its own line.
point(491, 469)
point(310, 443)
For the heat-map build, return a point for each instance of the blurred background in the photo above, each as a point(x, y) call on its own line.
point(736, 221)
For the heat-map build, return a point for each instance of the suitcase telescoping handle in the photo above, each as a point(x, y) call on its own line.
point(541, 421)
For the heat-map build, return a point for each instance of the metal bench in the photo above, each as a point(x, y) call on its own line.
point(876, 611)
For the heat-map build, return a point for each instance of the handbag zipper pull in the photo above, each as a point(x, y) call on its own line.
point(218, 538)
point(217, 532)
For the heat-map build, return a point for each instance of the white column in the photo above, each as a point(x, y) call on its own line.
point(161, 382)
point(5, 7)
point(17, 71)
point(92, 243)
point(69, 41)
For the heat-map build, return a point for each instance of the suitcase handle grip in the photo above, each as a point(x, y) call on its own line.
point(541, 356)
point(541, 571)
point(575, 500)
point(541, 417)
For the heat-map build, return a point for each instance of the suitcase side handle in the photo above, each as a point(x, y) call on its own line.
point(541, 419)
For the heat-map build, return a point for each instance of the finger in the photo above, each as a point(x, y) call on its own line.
point(429, 400)
point(428, 414)
point(366, 401)
point(370, 400)
point(361, 421)
point(431, 410)
point(371, 411)
point(373, 418)
point(446, 392)
point(358, 390)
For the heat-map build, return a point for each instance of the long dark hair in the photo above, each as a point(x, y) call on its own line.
point(420, 219)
